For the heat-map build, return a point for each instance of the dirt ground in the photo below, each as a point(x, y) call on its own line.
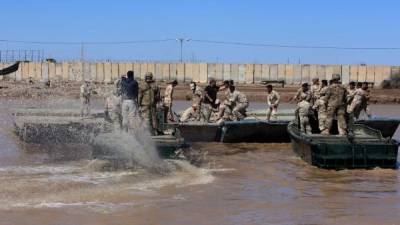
point(255, 92)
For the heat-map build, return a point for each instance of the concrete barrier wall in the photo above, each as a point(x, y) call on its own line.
point(293, 74)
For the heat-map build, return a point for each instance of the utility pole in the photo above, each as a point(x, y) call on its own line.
point(181, 40)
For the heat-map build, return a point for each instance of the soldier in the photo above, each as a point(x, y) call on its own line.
point(239, 103)
point(359, 101)
point(336, 105)
point(112, 110)
point(209, 98)
point(190, 114)
point(351, 91)
point(129, 98)
point(273, 99)
point(315, 89)
point(149, 96)
point(303, 91)
point(197, 95)
point(224, 110)
point(320, 106)
point(168, 99)
point(85, 94)
point(303, 109)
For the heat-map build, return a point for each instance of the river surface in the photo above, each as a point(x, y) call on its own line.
point(237, 184)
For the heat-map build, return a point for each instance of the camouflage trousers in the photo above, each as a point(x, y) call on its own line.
point(130, 117)
point(149, 115)
point(339, 112)
point(85, 106)
point(355, 108)
point(205, 112)
point(239, 111)
point(272, 113)
point(322, 116)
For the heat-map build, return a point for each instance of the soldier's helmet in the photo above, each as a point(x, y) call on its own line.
point(148, 77)
point(335, 76)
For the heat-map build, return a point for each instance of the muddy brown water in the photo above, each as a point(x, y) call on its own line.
point(238, 184)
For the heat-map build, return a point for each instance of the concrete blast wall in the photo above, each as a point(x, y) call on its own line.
point(199, 72)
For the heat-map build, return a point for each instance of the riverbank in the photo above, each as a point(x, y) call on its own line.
point(255, 92)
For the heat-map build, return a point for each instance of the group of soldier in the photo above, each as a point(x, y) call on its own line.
point(206, 107)
point(133, 105)
point(325, 102)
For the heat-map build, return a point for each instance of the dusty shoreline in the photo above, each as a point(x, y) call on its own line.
point(255, 92)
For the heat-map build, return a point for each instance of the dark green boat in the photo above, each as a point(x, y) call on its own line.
point(367, 148)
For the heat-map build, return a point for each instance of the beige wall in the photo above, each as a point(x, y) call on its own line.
point(201, 72)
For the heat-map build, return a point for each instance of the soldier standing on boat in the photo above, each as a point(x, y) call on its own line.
point(303, 92)
point(209, 98)
point(85, 94)
point(320, 106)
point(359, 101)
point(168, 99)
point(149, 97)
point(273, 99)
point(336, 105)
point(315, 89)
point(304, 111)
point(129, 96)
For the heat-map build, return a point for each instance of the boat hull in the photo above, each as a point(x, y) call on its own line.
point(334, 152)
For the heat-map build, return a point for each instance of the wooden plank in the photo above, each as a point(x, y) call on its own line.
point(249, 74)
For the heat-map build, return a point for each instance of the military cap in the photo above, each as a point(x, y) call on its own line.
point(148, 76)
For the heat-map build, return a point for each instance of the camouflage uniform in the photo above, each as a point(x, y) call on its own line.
point(149, 96)
point(240, 104)
point(190, 114)
point(358, 102)
point(85, 93)
point(113, 111)
point(336, 102)
point(303, 108)
point(315, 93)
point(300, 95)
point(273, 99)
point(320, 107)
point(169, 91)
